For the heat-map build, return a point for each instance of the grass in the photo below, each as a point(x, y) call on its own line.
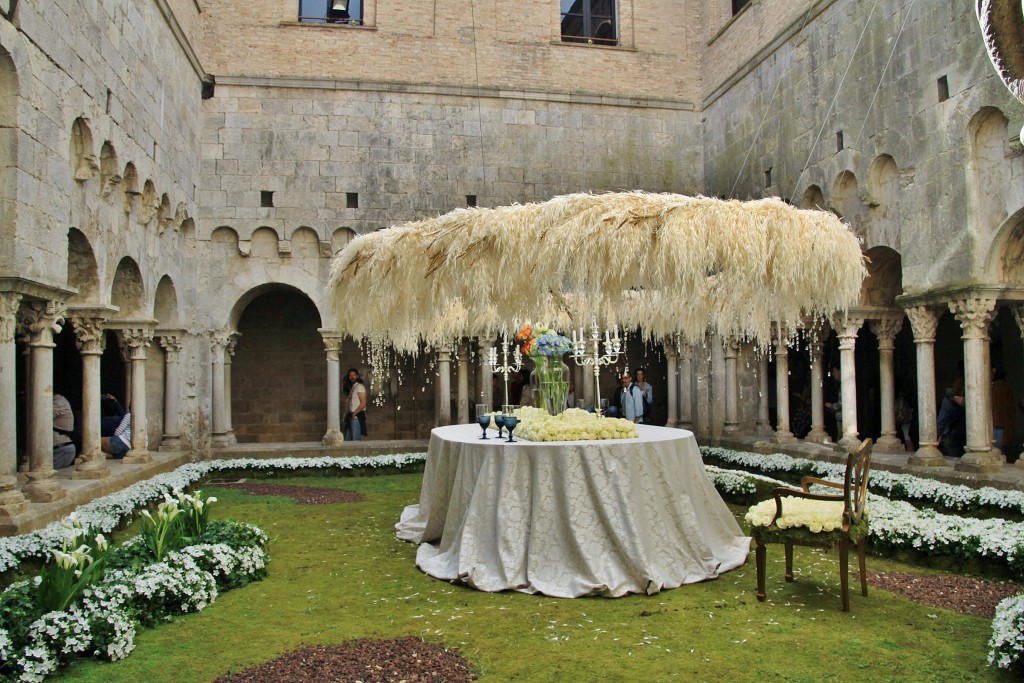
point(338, 573)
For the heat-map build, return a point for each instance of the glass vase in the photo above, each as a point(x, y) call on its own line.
point(550, 383)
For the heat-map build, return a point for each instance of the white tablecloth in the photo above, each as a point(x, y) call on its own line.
point(568, 519)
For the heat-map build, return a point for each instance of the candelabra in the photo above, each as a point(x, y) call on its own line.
point(593, 356)
point(505, 368)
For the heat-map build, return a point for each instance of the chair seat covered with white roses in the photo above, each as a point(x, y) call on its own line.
point(799, 517)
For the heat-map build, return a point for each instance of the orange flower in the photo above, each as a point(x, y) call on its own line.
point(528, 346)
point(525, 333)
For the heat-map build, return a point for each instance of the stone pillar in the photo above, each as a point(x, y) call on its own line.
point(817, 433)
point(137, 340)
point(26, 367)
point(12, 501)
point(444, 387)
point(229, 354)
point(126, 360)
point(923, 322)
point(89, 338)
point(886, 330)
point(42, 320)
point(764, 420)
point(462, 383)
point(332, 344)
point(847, 330)
point(686, 387)
point(171, 344)
point(218, 343)
point(672, 381)
point(782, 432)
point(486, 393)
point(731, 347)
point(974, 314)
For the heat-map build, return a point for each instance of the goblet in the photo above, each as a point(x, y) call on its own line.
point(499, 420)
point(485, 422)
point(510, 424)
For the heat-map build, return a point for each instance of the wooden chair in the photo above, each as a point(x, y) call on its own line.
point(852, 529)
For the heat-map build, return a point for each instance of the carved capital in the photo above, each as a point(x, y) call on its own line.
point(229, 348)
point(333, 347)
point(731, 346)
point(886, 330)
point(41, 320)
point(171, 344)
point(10, 302)
point(974, 315)
point(137, 340)
point(219, 340)
point(923, 321)
point(846, 329)
point(89, 335)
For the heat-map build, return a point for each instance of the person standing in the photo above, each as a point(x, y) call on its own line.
point(952, 421)
point(831, 390)
point(631, 400)
point(63, 427)
point(647, 391)
point(355, 416)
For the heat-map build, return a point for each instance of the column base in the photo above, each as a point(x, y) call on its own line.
point(888, 443)
point(817, 435)
point(688, 426)
point(927, 456)
point(12, 501)
point(848, 444)
point(731, 429)
point(219, 440)
point(43, 489)
point(171, 443)
point(671, 424)
point(230, 436)
point(137, 456)
point(763, 429)
point(980, 462)
point(333, 437)
point(93, 466)
point(784, 437)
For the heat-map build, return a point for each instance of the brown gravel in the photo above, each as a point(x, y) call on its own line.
point(303, 495)
point(962, 594)
point(366, 661)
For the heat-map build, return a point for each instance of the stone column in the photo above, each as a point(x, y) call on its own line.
point(126, 361)
point(686, 387)
point(672, 381)
point(171, 344)
point(817, 433)
point(764, 420)
point(462, 383)
point(444, 387)
point(332, 344)
point(89, 338)
point(782, 432)
point(886, 330)
point(12, 501)
point(138, 339)
point(229, 354)
point(42, 320)
point(731, 347)
point(486, 393)
point(923, 322)
point(847, 330)
point(218, 343)
point(974, 314)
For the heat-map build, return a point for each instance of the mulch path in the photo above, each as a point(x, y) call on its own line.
point(962, 594)
point(303, 495)
point(361, 661)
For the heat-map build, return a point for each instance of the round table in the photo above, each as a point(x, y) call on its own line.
point(570, 518)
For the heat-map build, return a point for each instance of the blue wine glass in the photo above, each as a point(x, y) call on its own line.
point(485, 422)
point(510, 423)
point(499, 420)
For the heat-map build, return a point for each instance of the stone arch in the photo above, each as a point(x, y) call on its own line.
point(180, 215)
point(8, 153)
point(883, 182)
point(884, 281)
point(130, 182)
point(83, 273)
point(988, 174)
point(1006, 258)
point(813, 198)
point(109, 175)
point(128, 290)
point(188, 227)
point(305, 243)
point(278, 346)
point(150, 203)
point(846, 202)
point(164, 218)
point(225, 243)
point(265, 243)
point(165, 306)
point(341, 237)
point(83, 156)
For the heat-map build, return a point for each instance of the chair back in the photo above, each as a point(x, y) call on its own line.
point(855, 485)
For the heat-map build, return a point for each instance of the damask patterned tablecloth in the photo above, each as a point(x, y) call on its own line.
point(568, 519)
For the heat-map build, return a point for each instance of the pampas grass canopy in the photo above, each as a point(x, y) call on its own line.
point(665, 263)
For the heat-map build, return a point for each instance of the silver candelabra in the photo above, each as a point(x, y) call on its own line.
point(505, 368)
point(593, 356)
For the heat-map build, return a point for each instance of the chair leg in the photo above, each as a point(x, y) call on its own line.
point(844, 571)
point(789, 561)
point(861, 547)
point(759, 554)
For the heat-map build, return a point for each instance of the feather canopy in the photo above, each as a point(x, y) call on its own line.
point(665, 263)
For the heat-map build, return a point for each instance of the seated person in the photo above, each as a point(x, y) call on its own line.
point(120, 442)
point(111, 412)
point(63, 426)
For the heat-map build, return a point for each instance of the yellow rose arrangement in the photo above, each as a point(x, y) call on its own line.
point(571, 425)
point(816, 515)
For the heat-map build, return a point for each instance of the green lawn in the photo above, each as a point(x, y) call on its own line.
point(337, 573)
